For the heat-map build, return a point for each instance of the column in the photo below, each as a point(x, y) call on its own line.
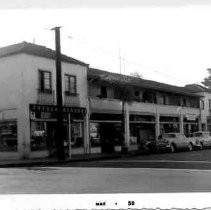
point(69, 135)
point(127, 126)
point(87, 148)
point(23, 131)
point(200, 122)
point(181, 123)
point(86, 134)
point(157, 125)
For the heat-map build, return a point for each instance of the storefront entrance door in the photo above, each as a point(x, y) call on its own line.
point(107, 133)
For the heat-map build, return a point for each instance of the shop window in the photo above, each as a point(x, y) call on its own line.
point(38, 136)
point(45, 83)
point(77, 135)
point(94, 135)
point(8, 136)
point(70, 85)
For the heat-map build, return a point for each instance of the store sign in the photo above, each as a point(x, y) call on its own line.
point(52, 108)
point(191, 117)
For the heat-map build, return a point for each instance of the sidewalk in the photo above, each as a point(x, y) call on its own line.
point(54, 161)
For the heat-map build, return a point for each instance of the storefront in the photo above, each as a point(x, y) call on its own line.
point(169, 124)
point(43, 129)
point(191, 124)
point(105, 133)
point(142, 128)
point(8, 136)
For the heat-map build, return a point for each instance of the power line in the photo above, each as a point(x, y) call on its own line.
point(122, 61)
point(149, 68)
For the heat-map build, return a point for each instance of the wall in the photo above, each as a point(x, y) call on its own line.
point(12, 98)
point(205, 112)
point(34, 63)
point(19, 87)
point(31, 84)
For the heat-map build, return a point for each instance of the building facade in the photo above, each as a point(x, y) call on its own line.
point(28, 102)
point(154, 108)
point(96, 105)
point(205, 105)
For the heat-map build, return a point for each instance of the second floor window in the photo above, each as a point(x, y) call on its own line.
point(103, 92)
point(209, 103)
point(163, 99)
point(70, 84)
point(45, 82)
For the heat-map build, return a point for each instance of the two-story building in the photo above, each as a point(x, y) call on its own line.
point(92, 106)
point(28, 102)
point(205, 104)
point(155, 108)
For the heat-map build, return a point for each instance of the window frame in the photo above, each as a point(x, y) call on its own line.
point(68, 92)
point(41, 76)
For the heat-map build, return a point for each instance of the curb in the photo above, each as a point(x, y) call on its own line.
point(43, 163)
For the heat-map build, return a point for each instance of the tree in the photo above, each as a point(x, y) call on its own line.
point(136, 74)
point(124, 92)
point(207, 80)
point(125, 95)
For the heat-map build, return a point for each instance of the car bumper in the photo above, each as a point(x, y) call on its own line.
point(163, 147)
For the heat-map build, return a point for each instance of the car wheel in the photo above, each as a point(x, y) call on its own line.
point(172, 148)
point(190, 147)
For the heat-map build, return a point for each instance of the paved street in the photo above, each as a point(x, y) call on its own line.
point(125, 175)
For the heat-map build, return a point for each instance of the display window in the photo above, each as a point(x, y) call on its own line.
point(77, 135)
point(94, 135)
point(8, 136)
point(38, 136)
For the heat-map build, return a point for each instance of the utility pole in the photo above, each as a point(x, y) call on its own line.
point(120, 61)
point(59, 131)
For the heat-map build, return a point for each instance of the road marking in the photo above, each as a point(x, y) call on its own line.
point(143, 169)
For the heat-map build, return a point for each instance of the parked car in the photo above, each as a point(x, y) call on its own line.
point(201, 138)
point(173, 142)
point(148, 146)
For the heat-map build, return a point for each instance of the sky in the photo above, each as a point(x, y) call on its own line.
point(162, 41)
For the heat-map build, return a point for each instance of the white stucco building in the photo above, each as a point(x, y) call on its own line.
point(28, 99)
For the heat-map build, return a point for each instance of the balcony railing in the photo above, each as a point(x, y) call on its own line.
point(115, 105)
point(46, 97)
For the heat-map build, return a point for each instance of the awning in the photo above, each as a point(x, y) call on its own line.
point(53, 108)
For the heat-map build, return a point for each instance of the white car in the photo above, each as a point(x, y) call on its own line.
point(202, 138)
point(173, 142)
